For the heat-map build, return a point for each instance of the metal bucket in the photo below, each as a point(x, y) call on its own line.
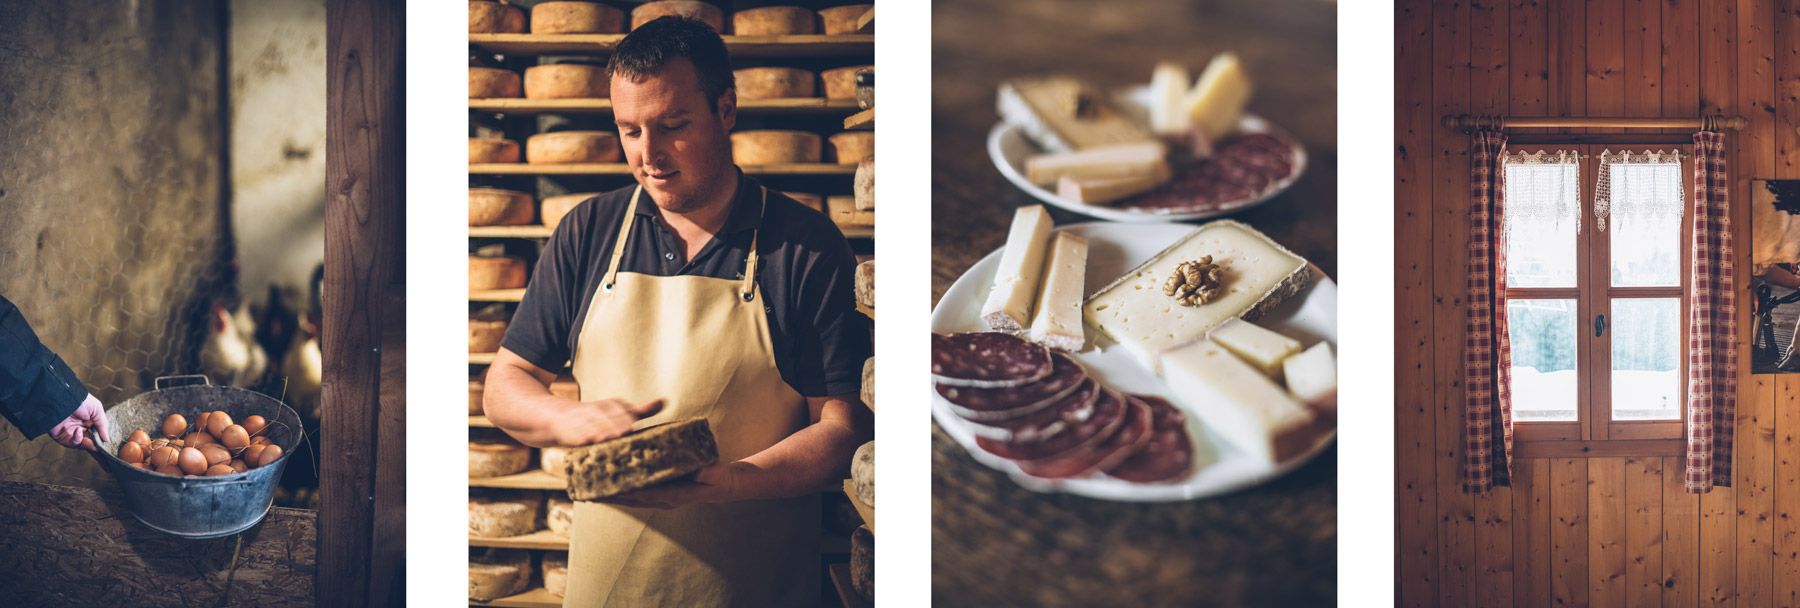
point(198, 507)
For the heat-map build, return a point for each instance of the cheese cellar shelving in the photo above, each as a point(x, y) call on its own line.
point(792, 105)
point(740, 47)
point(622, 169)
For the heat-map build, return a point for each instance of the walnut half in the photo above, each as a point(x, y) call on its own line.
point(1196, 282)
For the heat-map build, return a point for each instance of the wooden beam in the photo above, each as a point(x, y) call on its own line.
point(1598, 449)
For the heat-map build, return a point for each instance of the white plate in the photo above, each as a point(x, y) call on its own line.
point(1113, 250)
point(1009, 148)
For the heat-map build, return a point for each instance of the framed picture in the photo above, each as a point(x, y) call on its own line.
point(1775, 275)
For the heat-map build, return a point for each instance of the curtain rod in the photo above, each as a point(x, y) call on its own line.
point(1466, 122)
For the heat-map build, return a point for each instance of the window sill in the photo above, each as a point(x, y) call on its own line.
point(1599, 449)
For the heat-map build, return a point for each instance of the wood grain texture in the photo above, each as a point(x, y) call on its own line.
point(1606, 531)
point(361, 530)
point(1449, 242)
point(1569, 548)
point(1415, 482)
point(1643, 531)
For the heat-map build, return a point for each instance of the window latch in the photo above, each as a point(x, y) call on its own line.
point(1599, 325)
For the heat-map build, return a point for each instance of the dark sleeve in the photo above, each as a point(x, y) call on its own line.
point(540, 328)
point(37, 390)
point(834, 338)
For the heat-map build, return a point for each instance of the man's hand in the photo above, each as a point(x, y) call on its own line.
point(72, 431)
point(590, 422)
point(716, 483)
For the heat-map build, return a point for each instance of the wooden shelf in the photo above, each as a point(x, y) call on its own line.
point(541, 598)
point(858, 233)
point(541, 539)
point(840, 578)
point(867, 512)
point(535, 231)
point(738, 46)
point(481, 421)
point(860, 121)
point(791, 105)
point(497, 295)
point(535, 479)
point(866, 23)
point(625, 169)
point(481, 358)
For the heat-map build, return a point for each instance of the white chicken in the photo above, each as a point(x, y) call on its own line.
point(302, 365)
point(230, 354)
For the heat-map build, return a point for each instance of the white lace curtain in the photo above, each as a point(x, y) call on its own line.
point(1639, 186)
point(1543, 187)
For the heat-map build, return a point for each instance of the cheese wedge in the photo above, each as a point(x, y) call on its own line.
point(1257, 346)
point(1057, 322)
point(1104, 190)
point(1123, 160)
point(1312, 377)
point(1242, 405)
point(1218, 99)
point(1008, 306)
point(1134, 312)
point(1063, 114)
point(1169, 84)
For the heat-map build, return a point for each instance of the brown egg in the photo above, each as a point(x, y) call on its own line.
point(142, 465)
point(217, 423)
point(219, 469)
point(215, 454)
point(177, 443)
point(169, 469)
point(164, 456)
point(269, 456)
point(259, 440)
point(139, 437)
point(253, 455)
point(239, 466)
point(174, 425)
point(200, 422)
point(199, 438)
point(235, 437)
point(131, 452)
point(192, 461)
point(255, 425)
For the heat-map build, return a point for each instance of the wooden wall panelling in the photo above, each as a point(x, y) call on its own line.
point(1567, 44)
point(1681, 535)
point(1415, 480)
point(1754, 447)
point(1489, 92)
point(1569, 531)
point(1680, 64)
point(1529, 68)
point(1450, 176)
point(1531, 524)
point(1643, 531)
point(1606, 60)
point(1606, 531)
point(1715, 575)
point(1786, 493)
point(1643, 57)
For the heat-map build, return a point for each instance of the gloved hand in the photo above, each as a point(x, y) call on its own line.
point(72, 431)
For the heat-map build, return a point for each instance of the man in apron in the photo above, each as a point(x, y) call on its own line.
point(696, 293)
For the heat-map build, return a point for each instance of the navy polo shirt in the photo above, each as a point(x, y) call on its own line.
point(805, 275)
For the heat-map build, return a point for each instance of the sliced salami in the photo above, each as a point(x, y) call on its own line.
point(991, 404)
point(987, 360)
point(1240, 170)
point(1168, 455)
point(1109, 415)
point(1134, 433)
point(1044, 424)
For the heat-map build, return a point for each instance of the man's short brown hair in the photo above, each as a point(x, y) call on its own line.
point(645, 51)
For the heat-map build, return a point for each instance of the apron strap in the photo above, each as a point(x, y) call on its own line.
point(612, 268)
point(748, 291)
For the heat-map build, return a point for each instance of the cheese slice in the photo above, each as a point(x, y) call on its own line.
point(1169, 84)
point(1104, 190)
point(1134, 312)
point(1312, 377)
point(1009, 302)
point(1257, 346)
point(1218, 99)
point(1057, 322)
point(1063, 114)
point(1242, 406)
point(1122, 160)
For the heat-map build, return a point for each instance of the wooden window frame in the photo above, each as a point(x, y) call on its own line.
point(1595, 433)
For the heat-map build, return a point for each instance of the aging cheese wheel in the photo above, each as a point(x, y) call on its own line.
point(496, 457)
point(773, 83)
point(650, 11)
point(475, 391)
point(641, 458)
point(868, 386)
point(491, 150)
point(774, 147)
point(505, 515)
point(842, 210)
point(576, 18)
point(573, 147)
point(774, 21)
point(496, 207)
point(496, 273)
point(561, 514)
point(862, 473)
point(862, 562)
point(555, 207)
point(485, 334)
point(556, 573)
point(495, 18)
point(840, 83)
point(842, 19)
point(565, 81)
point(850, 147)
point(552, 460)
point(865, 184)
point(487, 83)
point(497, 573)
point(809, 199)
point(865, 283)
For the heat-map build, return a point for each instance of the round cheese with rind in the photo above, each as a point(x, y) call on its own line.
point(496, 207)
point(475, 392)
point(862, 472)
point(489, 83)
point(561, 514)
point(497, 457)
point(842, 19)
point(485, 333)
point(556, 573)
point(576, 18)
point(851, 147)
point(774, 21)
point(556, 207)
point(505, 515)
point(487, 273)
point(773, 83)
point(563, 147)
point(707, 13)
point(498, 573)
point(493, 150)
point(554, 460)
point(865, 184)
point(843, 212)
point(774, 147)
point(862, 562)
point(495, 18)
point(565, 81)
point(840, 83)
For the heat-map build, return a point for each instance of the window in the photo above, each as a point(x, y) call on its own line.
point(1595, 304)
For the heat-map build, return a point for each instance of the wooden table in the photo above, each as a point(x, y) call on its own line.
point(994, 543)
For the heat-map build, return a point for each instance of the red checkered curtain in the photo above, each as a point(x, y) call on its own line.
point(1487, 351)
point(1712, 324)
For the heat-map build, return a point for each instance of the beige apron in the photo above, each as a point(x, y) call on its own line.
point(701, 344)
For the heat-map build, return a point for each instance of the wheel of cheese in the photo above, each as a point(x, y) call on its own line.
point(561, 514)
point(552, 460)
point(774, 147)
point(865, 184)
point(865, 284)
point(495, 18)
point(840, 83)
point(506, 515)
point(842, 19)
point(498, 573)
point(808, 199)
point(774, 21)
point(564, 147)
point(496, 457)
point(773, 83)
point(842, 210)
point(496, 207)
point(487, 83)
point(868, 385)
point(475, 391)
point(555, 207)
point(556, 573)
point(496, 273)
point(650, 11)
point(565, 81)
point(576, 18)
point(862, 562)
point(485, 334)
point(862, 473)
point(491, 150)
point(850, 147)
